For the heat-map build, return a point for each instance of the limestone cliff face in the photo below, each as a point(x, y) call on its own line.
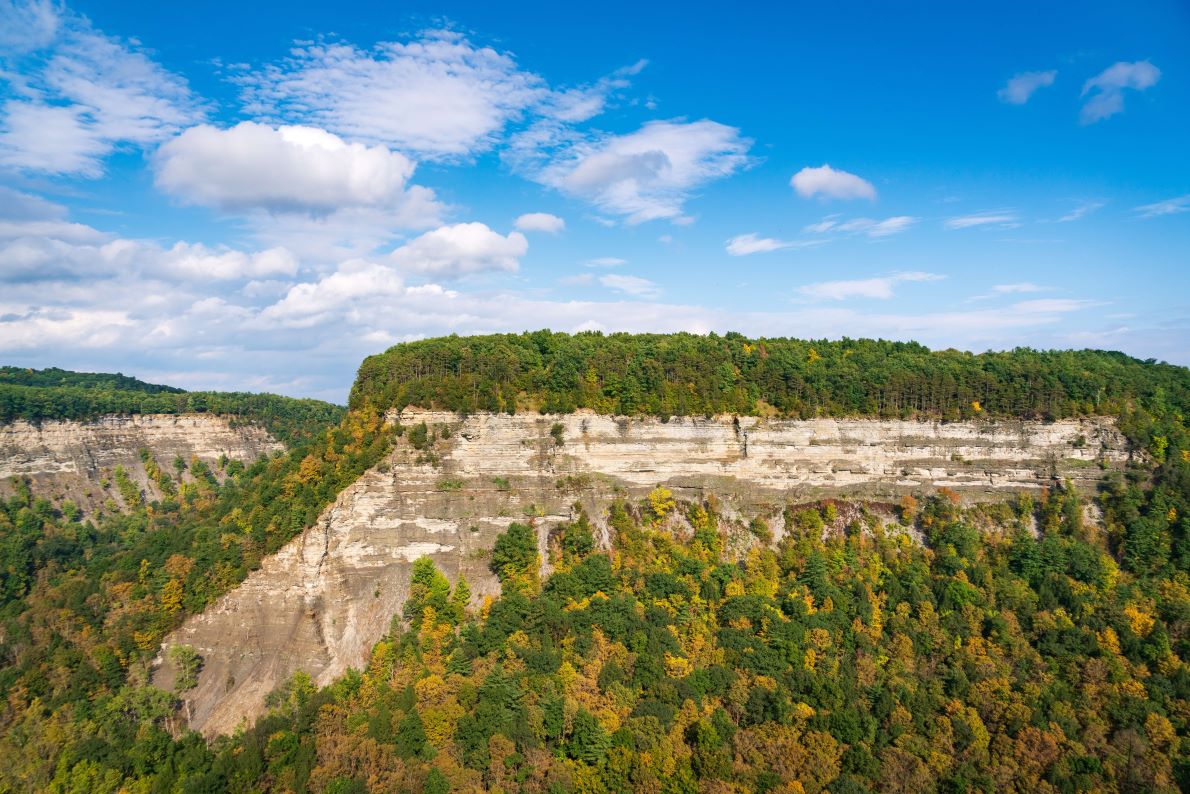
point(329, 595)
point(72, 459)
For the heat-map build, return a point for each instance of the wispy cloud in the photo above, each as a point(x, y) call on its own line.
point(826, 182)
point(745, 244)
point(1173, 206)
point(868, 226)
point(606, 261)
point(82, 94)
point(1022, 86)
point(631, 285)
point(1000, 290)
point(1001, 218)
point(1017, 288)
point(648, 174)
point(1081, 211)
point(1104, 92)
point(880, 288)
point(436, 96)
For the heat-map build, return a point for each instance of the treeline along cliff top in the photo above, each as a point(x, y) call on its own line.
point(58, 394)
point(686, 374)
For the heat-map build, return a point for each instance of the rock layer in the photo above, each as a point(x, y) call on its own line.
point(321, 603)
point(72, 459)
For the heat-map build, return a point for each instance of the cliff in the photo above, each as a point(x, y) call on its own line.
point(321, 603)
point(72, 460)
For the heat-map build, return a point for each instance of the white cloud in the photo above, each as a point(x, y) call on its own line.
point(256, 167)
point(826, 182)
point(540, 222)
point(461, 249)
point(630, 285)
point(354, 282)
point(41, 251)
point(606, 261)
point(1020, 87)
point(1106, 89)
point(27, 25)
point(437, 95)
point(872, 228)
point(1002, 218)
point(879, 288)
point(1019, 287)
point(1086, 208)
point(1173, 206)
point(744, 244)
point(196, 261)
point(81, 95)
point(648, 174)
point(578, 280)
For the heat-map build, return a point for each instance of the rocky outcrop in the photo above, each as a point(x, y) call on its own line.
point(72, 460)
point(329, 595)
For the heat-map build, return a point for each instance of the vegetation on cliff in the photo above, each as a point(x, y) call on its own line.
point(49, 394)
point(688, 374)
point(1019, 648)
point(85, 601)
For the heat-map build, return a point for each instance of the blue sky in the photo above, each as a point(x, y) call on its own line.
point(257, 195)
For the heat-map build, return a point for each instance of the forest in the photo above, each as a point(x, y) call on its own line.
point(49, 394)
point(688, 375)
point(1015, 646)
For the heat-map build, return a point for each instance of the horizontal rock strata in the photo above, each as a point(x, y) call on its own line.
point(71, 459)
point(322, 602)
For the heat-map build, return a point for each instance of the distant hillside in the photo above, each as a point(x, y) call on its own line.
point(52, 376)
point(49, 394)
point(687, 374)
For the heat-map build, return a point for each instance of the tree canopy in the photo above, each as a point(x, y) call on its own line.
point(688, 374)
point(49, 394)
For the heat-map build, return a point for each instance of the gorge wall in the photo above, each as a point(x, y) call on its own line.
point(321, 603)
point(72, 460)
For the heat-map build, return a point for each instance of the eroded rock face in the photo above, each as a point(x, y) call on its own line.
point(71, 459)
point(322, 602)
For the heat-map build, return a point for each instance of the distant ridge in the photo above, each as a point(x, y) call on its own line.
point(58, 394)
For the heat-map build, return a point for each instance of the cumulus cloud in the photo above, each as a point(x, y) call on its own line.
point(1002, 218)
point(459, 250)
point(1022, 86)
point(1104, 93)
point(196, 261)
point(880, 288)
point(540, 222)
point(648, 174)
point(254, 166)
point(1173, 206)
point(82, 94)
point(313, 302)
point(41, 251)
point(826, 182)
point(631, 285)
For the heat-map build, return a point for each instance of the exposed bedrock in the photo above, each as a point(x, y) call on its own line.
point(320, 603)
point(72, 459)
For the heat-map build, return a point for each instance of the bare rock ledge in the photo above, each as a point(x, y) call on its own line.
point(320, 603)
